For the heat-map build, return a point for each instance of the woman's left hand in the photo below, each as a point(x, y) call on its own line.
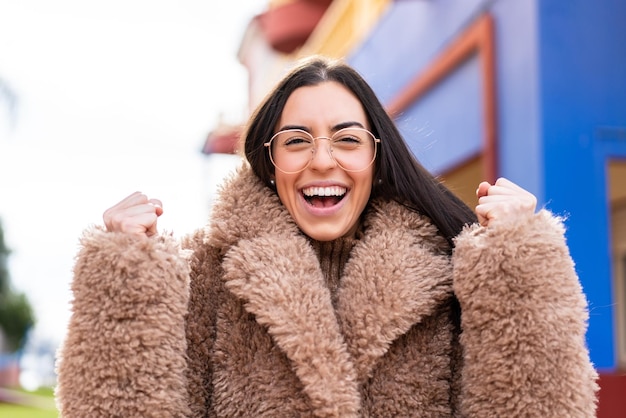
point(503, 200)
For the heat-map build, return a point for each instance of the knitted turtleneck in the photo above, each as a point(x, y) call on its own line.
point(333, 256)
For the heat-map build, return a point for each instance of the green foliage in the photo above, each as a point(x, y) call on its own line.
point(16, 318)
point(4, 258)
point(16, 313)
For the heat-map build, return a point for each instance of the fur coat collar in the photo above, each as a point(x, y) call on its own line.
point(398, 273)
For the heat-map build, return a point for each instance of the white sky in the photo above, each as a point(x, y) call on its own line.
point(113, 96)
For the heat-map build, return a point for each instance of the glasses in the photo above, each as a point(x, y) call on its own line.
point(292, 150)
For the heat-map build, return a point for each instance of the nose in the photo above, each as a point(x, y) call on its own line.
point(322, 158)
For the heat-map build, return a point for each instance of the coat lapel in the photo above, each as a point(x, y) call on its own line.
point(282, 285)
point(398, 274)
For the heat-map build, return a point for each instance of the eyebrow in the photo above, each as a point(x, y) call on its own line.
point(335, 128)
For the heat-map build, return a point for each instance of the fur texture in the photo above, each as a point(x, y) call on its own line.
point(264, 338)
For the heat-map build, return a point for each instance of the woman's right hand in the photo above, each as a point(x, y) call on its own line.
point(136, 214)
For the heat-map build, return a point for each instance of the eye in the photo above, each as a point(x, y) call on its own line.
point(294, 140)
point(347, 139)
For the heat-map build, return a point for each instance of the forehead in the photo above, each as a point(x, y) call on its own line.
point(321, 106)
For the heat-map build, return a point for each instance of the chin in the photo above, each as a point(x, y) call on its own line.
point(317, 235)
point(322, 237)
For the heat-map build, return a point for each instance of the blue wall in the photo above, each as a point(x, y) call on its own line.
point(445, 128)
point(583, 102)
point(448, 127)
point(406, 39)
point(561, 92)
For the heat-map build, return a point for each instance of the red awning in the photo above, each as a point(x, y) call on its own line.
point(287, 27)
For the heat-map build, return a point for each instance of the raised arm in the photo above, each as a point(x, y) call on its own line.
point(124, 352)
point(524, 314)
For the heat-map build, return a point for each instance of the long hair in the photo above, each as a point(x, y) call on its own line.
point(398, 174)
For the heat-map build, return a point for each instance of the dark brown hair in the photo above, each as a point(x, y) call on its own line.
point(399, 176)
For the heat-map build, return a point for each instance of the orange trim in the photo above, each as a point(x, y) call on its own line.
point(478, 39)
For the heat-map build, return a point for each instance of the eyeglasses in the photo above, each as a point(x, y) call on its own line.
point(292, 150)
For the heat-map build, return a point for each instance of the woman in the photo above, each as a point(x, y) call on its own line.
point(337, 278)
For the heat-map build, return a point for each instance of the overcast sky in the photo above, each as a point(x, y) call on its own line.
point(112, 97)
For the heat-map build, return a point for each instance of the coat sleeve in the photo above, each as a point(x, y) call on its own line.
point(124, 351)
point(524, 318)
point(205, 289)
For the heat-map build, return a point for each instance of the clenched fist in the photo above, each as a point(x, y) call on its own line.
point(503, 200)
point(136, 214)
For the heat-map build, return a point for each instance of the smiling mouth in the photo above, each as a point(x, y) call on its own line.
point(323, 197)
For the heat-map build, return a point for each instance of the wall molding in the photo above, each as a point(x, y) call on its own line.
point(477, 40)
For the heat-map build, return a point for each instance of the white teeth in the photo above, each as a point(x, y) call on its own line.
point(324, 191)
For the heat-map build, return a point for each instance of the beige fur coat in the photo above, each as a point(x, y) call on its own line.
point(239, 322)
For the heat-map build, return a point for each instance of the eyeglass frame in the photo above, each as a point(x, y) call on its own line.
point(268, 145)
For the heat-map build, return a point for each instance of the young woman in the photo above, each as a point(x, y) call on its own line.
point(337, 278)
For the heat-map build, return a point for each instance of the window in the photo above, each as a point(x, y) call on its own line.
point(620, 309)
point(617, 193)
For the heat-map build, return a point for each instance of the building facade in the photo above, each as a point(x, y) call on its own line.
point(533, 90)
